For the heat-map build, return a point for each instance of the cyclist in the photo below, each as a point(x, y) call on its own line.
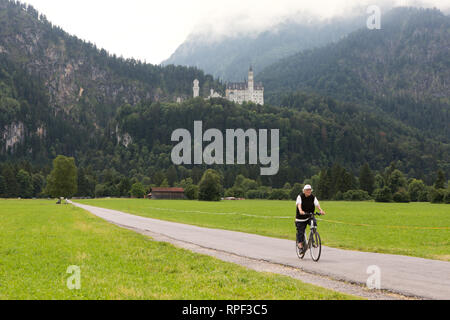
point(306, 204)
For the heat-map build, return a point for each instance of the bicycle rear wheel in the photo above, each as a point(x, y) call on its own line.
point(315, 246)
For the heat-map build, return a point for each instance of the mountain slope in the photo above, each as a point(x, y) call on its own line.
point(60, 95)
point(229, 57)
point(81, 84)
point(403, 69)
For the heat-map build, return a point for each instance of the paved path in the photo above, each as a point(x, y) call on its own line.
point(410, 276)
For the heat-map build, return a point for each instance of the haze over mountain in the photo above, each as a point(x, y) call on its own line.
point(230, 56)
point(403, 69)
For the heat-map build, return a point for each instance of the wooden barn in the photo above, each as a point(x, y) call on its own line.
point(167, 193)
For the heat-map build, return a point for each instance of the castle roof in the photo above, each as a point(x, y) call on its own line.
point(244, 86)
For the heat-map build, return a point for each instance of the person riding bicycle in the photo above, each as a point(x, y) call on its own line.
point(306, 204)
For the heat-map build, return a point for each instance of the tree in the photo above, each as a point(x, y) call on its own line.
point(125, 187)
point(402, 196)
point(415, 187)
point(437, 195)
point(383, 195)
point(210, 186)
point(2, 186)
point(172, 175)
point(190, 189)
point(86, 184)
point(62, 181)
point(295, 191)
point(137, 190)
point(440, 180)
point(25, 184)
point(38, 184)
point(396, 181)
point(325, 185)
point(366, 179)
point(164, 184)
point(158, 178)
point(12, 188)
point(191, 192)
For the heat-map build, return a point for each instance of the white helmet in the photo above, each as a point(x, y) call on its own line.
point(307, 187)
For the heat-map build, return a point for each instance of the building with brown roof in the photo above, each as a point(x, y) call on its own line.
point(167, 193)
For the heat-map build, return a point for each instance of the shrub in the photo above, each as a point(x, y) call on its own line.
point(437, 195)
point(236, 192)
point(279, 194)
point(137, 190)
point(423, 196)
point(339, 196)
point(447, 196)
point(402, 196)
point(356, 195)
point(260, 193)
point(383, 195)
point(295, 191)
point(191, 191)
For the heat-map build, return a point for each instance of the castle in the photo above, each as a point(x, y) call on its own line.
point(238, 91)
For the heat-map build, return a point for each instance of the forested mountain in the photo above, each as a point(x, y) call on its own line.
point(60, 91)
point(61, 95)
point(313, 134)
point(228, 57)
point(402, 69)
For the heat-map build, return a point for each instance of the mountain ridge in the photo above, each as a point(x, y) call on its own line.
point(405, 63)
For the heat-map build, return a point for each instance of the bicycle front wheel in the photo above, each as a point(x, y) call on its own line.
point(315, 246)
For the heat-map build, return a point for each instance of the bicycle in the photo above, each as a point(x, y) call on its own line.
point(313, 242)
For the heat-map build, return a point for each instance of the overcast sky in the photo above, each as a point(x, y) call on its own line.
point(151, 30)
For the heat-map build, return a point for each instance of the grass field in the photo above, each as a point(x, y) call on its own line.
point(414, 229)
point(40, 240)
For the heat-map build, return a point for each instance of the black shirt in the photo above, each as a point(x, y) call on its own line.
point(308, 206)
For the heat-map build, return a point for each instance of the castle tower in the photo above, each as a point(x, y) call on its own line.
point(196, 88)
point(251, 83)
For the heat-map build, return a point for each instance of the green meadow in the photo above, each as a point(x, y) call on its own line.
point(40, 240)
point(413, 229)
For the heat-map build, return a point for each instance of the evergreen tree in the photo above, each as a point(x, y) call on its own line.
point(164, 184)
point(440, 180)
point(366, 179)
point(2, 186)
point(324, 185)
point(125, 187)
point(38, 184)
point(12, 187)
point(172, 176)
point(396, 181)
point(25, 184)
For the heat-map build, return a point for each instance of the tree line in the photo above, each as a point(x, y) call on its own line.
point(334, 183)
